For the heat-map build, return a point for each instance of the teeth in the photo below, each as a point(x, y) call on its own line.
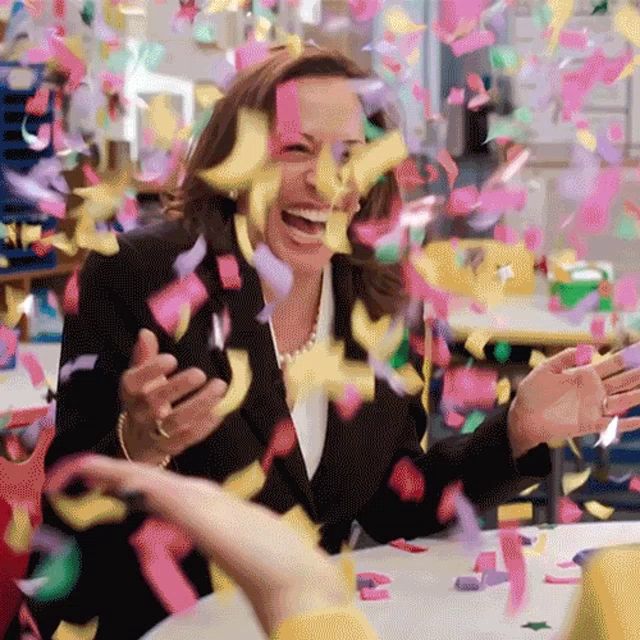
point(312, 215)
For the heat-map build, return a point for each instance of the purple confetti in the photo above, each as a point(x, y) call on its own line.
point(607, 150)
point(30, 188)
point(188, 261)
point(492, 577)
point(276, 273)
point(365, 583)
point(470, 535)
point(84, 362)
point(468, 583)
point(588, 304)
point(385, 371)
point(631, 356)
point(31, 586)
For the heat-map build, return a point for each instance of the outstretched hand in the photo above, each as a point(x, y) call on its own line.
point(558, 400)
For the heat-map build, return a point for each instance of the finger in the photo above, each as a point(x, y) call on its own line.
point(628, 424)
point(133, 380)
point(609, 366)
point(196, 409)
point(625, 381)
point(145, 348)
point(564, 360)
point(161, 397)
point(620, 403)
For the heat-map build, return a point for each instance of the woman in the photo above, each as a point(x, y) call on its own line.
point(150, 398)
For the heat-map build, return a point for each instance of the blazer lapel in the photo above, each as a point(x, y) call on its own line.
point(265, 404)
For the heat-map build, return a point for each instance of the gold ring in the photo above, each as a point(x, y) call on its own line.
point(159, 431)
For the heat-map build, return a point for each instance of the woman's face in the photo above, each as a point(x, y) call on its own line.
point(330, 113)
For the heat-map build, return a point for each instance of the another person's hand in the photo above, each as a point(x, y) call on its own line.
point(558, 400)
point(269, 561)
point(157, 423)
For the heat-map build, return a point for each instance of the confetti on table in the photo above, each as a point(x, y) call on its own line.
point(88, 510)
point(549, 579)
point(536, 626)
point(485, 561)
point(374, 594)
point(467, 583)
point(609, 435)
point(574, 480)
point(377, 578)
point(241, 376)
point(492, 578)
point(407, 481)
point(34, 368)
point(160, 546)
point(85, 362)
point(403, 545)
point(568, 511)
point(68, 631)
point(598, 510)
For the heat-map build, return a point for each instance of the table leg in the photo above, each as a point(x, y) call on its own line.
point(554, 484)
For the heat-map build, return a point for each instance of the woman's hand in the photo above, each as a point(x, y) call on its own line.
point(558, 400)
point(157, 422)
point(280, 574)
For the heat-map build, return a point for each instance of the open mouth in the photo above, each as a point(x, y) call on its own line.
point(308, 225)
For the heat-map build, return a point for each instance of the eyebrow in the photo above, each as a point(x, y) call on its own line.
point(308, 136)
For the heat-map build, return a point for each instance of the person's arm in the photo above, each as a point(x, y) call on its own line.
point(483, 461)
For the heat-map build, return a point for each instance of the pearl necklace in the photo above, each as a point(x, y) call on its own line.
point(292, 356)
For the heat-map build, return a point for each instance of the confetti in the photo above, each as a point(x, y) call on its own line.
point(34, 368)
point(288, 126)
point(492, 578)
point(374, 594)
point(364, 10)
point(238, 387)
point(264, 191)
point(68, 631)
point(282, 442)
point(377, 578)
point(485, 561)
point(470, 535)
point(18, 533)
point(515, 512)
point(467, 583)
point(61, 570)
point(634, 484)
point(229, 271)
point(473, 421)
point(160, 546)
point(403, 545)
point(188, 261)
point(625, 294)
point(8, 344)
point(473, 42)
point(515, 565)
point(247, 482)
point(85, 362)
point(463, 200)
point(456, 96)
point(277, 275)
point(627, 23)
point(447, 506)
point(598, 510)
point(41, 140)
point(549, 579)
point(574, 39)
point(300, 522)
point(536, 626)
point(574, 480)
point(349, 404)
point(407, 481)
point(88, 510)
point(38, 104)
point(568, 511)
point(609, 435)
point(476, 343)
point(449, 165)
point(70, 300)
point(335, 235)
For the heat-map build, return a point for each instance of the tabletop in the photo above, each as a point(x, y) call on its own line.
point(424, 603)
point(526, 320)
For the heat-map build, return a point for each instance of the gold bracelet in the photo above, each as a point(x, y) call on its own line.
point(122, 420)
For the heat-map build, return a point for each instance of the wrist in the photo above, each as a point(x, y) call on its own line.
point(135, 447)
point(519, 439)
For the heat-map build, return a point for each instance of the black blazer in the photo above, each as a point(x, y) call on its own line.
point(351, 482)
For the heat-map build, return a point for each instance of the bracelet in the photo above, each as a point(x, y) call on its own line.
point(122, 420)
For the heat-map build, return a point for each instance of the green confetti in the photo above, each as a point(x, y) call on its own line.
point(473, 421)
point(506, 129)
point(627, 228)
point(536, 626)
point(150, 54)
point(201, 122)
point(61, 570)
point(504, 57)
point(502, 351)
point(117, 61)
point(547, 526)
point(524, 115)
point(542, 16)
point(469, 363)
point(601, 8)
point(203, 33)
point(388, 254)
point(371, 131)
point(401, 356)
point(3, 231)
point(417, 235)
point(88, 12)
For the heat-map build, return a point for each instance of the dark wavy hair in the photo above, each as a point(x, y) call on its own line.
point(210, 212)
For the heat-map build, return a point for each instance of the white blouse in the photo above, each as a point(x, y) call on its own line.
point(309, 414)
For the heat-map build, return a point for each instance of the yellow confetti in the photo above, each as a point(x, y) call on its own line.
point(68, 631)
point(19, 530)
point(184, 319)
point(503, 390)
point(264, 191)
point(30, 233)
point(413, 383)
point(103, 242)
point(370, 161)
point(294, 45)
point(561, 11)
point(627, 23)
point(381, 338)
point(574, 480)
point(476, 342)
point(398, 22)
point(335, 235)
point(63, 243)
point(536, 358)
point(162, 120)
point(529, 490)
point(207, 96)
point(515, 512)
point(574, 448)
point(11, 234)
point(238, 387)
point(75, 44)
point(263, 27)
point(85, 511)
point(14, 299)
point(102, 200)
point(242, 234)
point(630, 69)
point(4, 262)
point(538, 548)
point(215, 6)
point(587, 139)
point(359, 374)
point(300, 522)
point(223, 586)
point(328, 181)
point(247, 157)
point(598, 510)
point(247, 482)
point(414, 57)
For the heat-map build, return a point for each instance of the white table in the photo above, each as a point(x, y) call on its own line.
point(424, 604)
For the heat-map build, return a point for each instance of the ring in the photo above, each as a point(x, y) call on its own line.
point(159, 431)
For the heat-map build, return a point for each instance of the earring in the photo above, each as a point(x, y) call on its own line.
point(233, 194)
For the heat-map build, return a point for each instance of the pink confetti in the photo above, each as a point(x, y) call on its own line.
point(584, 354)
point(473, 42)
point(549, 579)
point(511, 546)
point(378, 578)
point(588, 304)
point(229, 271)
point(368, 593)
point(282, 442)
point(407, 481)
point(615, 132)
point(440, 353)
point(251, 53)
point(456, 96)
point(454, 419)
point(506, 234)
point(71, 295)
point(8, 344)
point(485, 561)
point(276, 273)
point(463, 201)
point(52, 208)
point(475, 83)
point(68, 61)
point(449, 165)
point(364, 10)
point(533, 238)
point(597, 327)
point(38, 104)
point(350, 403)
point(31, 363)
point(166, 304)
point(432, 173)
point(407, 175)
point(574, 39)
point(160, 546)
point(446, 507)
point(567, 564)
point(634, 484)
point(625, 293)
point(568, 511)
point(503, 200)
point(403, 545)
point(90, 175)
point(288, 113)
